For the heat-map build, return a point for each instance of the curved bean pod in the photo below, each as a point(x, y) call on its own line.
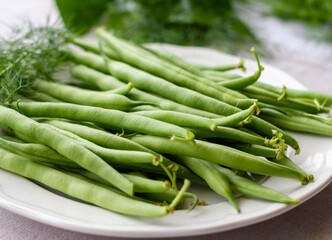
point(108, 117)
point(216, 181)
point(36, 152)
point(229, 133)
point(78, 188)
point(180, 119)
point(86, 97)
point(220, 154)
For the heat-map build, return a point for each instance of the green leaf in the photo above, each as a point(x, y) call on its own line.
point(80, 16)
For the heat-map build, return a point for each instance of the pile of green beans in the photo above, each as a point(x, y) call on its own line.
point(136, 122)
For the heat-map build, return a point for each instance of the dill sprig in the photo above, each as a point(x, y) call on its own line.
point(30, 52)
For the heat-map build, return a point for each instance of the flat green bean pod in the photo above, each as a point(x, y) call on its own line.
point(86, 97)
point(79, 188)
point(216, 181)
point(180, 119)
point(220, 154)
point(107, 117)
point(36, 152)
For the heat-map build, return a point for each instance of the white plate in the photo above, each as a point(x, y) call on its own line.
point(28, 199)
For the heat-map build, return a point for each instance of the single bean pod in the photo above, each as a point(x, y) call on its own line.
point(216, 181)
point(124, 90)
point(243, 117)
point(297, 123)
point(217, 76)
point(80, 174)
point(175, 60)
point(220, 154)
point(243, 82)
point(78, 188)
point(39, 96)
point(107, 117)
point(222, 68)
point(299, 94)
point(285, 102)
point(65, 146)
point(272, 155)
point(229, 133)
point(142, 184)
point(180, 119)
point(258, 150)
point(86, 97)
point(36, 152)
point(286, 161)
point(250, 188)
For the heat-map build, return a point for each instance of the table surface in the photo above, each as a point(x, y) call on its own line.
point(311, 220)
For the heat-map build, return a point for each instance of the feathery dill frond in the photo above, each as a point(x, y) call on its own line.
point(30, 52)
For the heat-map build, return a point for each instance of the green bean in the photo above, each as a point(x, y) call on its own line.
point(107, 117)
point(168, 196)
point(106, 82)
point(216, 181)
point(78, 188)
point(180, 119)
point(223, 68)
point(217, 76)
point(258, 150)
point(65, 146)
point(122, 90)
point(251, 188)
point(100, 182)
point(113, 156)
point(241, 82)
point(145, 185)
point(243, 117)
point(229, 133)
point(220, 154)
point(286, 161)
point(36, 152)
point(94, 46)
point(185, 96)
point(141, 184)
point(108, 140)
point(86, 97)
point(39, 96)
point(299, 94)
point(272, 155)
point(297, 123)
point(272, 98)
point(171, 58)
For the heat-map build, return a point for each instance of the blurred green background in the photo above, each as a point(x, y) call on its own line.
point(213, 23)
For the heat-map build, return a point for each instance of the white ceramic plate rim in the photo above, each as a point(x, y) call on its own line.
point(48, 216)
